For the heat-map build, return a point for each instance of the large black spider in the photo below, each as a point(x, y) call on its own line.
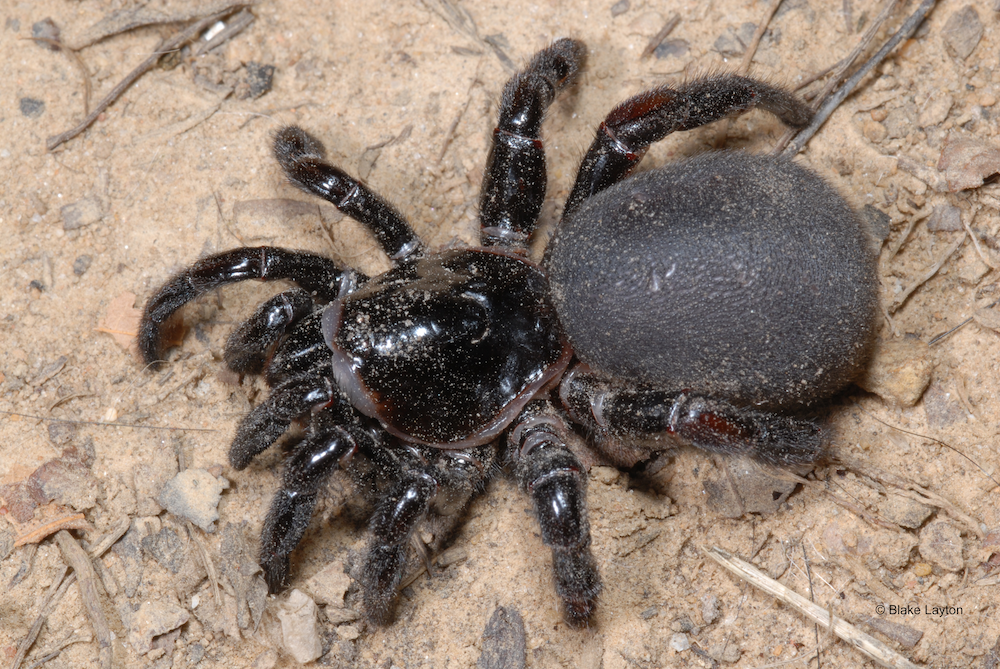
point(710, 301)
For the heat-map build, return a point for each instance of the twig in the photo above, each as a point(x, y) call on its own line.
point(931, 271)
point(213, 576)
point(87, 583)
point(658, 38)
point(937, 339)
point(56, 591)
point(966, 221)
point(106, 424)
point(916, 218)
point(111, 538)
point(823, 113)
point(867, 645)
point(75, 57)
point(67, 521)
point(54, 652)
point(175, 42)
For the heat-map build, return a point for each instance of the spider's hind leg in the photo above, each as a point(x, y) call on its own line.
point(629, 129)
point(616, 412)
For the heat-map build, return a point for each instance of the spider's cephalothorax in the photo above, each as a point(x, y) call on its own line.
point(709, 301)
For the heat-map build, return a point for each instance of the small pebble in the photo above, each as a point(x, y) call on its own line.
point(620, 8)
point(193, 494)
point(962, 32)
point(260, 78)
point(299, 630)
point(899, 371)
point(680, 642)
point(874, 131)
point(82, 264)
point(31, 107)
point(81, 213)
point(709, 608)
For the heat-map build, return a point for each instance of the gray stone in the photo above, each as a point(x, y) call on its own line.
point(962, 31)
point(905, 512)
point(299, 629)
point(194, 494)
point(153, 619)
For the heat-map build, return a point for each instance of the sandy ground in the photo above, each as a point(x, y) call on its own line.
point(403, 94)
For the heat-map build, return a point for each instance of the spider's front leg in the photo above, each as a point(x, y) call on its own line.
point(555, 479)
point(616, 413)
point(334, 434)
point(427, 487)
point(301, 156)
point(514, 181)
point(321, 277)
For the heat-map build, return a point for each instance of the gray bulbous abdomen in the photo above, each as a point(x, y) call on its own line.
point(744, 277)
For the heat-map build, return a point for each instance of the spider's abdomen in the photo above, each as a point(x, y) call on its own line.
point(448, 349)
point(743, 277)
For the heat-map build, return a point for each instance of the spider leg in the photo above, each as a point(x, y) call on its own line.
point(300, 351)
point(613, 411)
point(626, 132)
point(319, 276)
point(334, 435)
point(301, 157)
point(252, 343)
point(555, 479)
point(391, 527)
point(269, 420)
point(514, 182)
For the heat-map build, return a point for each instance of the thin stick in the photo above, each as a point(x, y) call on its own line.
point(967, 222)
point(111, 538)
point(54, 652)
point(86, 579)
point(658, 38)
point(867, 645)
point(75, 57)
point(823, 113)
point(928, 275)
point(175, 42)
point(56, 592)
point(104, 424)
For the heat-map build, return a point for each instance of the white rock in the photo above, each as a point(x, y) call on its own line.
point(299, 629)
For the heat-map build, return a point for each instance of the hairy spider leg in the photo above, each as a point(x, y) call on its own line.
point(415, 486)
point(612, 411)
point(251, 345)
point(320, 276)
point(514, 180)
point(301, 157)
point(628, 130)
point(301, 350)
point(270, 419)
point(554, 478)
point(334, 434)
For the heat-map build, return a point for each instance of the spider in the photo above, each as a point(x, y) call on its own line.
point(712, 301)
